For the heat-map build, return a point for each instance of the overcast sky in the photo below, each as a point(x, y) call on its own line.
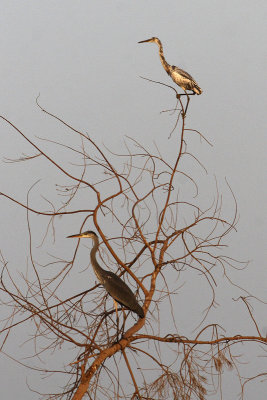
point(84, 60)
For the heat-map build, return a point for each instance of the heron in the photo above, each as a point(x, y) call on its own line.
point(114, 285)
point(178, 75)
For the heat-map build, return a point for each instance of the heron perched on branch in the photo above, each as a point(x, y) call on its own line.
point(178, 75)
point(114, 285)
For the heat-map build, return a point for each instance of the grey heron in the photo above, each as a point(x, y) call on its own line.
point(178, 75)
point(114, 285)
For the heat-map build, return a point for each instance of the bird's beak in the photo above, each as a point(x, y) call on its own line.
point(77, 235)
point(144, 41)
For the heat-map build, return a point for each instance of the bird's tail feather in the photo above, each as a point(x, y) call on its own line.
point(197, 89)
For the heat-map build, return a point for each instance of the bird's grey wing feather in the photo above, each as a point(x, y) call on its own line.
point(183, 73)
point(118, 289)
point(120, 292)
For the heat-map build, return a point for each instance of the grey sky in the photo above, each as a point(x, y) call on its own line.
point(84, 60)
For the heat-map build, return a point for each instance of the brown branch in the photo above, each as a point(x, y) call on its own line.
point(225, 339)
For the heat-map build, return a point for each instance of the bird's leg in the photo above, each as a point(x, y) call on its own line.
point(187, 104)
point(117, 317)
point(124, 319)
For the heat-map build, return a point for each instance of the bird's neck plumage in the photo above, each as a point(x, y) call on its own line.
point(94, 262)
point(166, 66)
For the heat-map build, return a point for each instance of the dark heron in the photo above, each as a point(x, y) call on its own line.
point(178, 75)
point(114, 285)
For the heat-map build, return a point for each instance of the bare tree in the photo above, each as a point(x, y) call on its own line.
point(157, 232)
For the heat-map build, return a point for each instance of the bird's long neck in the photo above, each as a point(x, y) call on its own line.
point(94, 262)
point(166, 66)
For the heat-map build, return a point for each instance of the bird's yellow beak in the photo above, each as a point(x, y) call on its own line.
point(77, 235)
point(144, 41)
